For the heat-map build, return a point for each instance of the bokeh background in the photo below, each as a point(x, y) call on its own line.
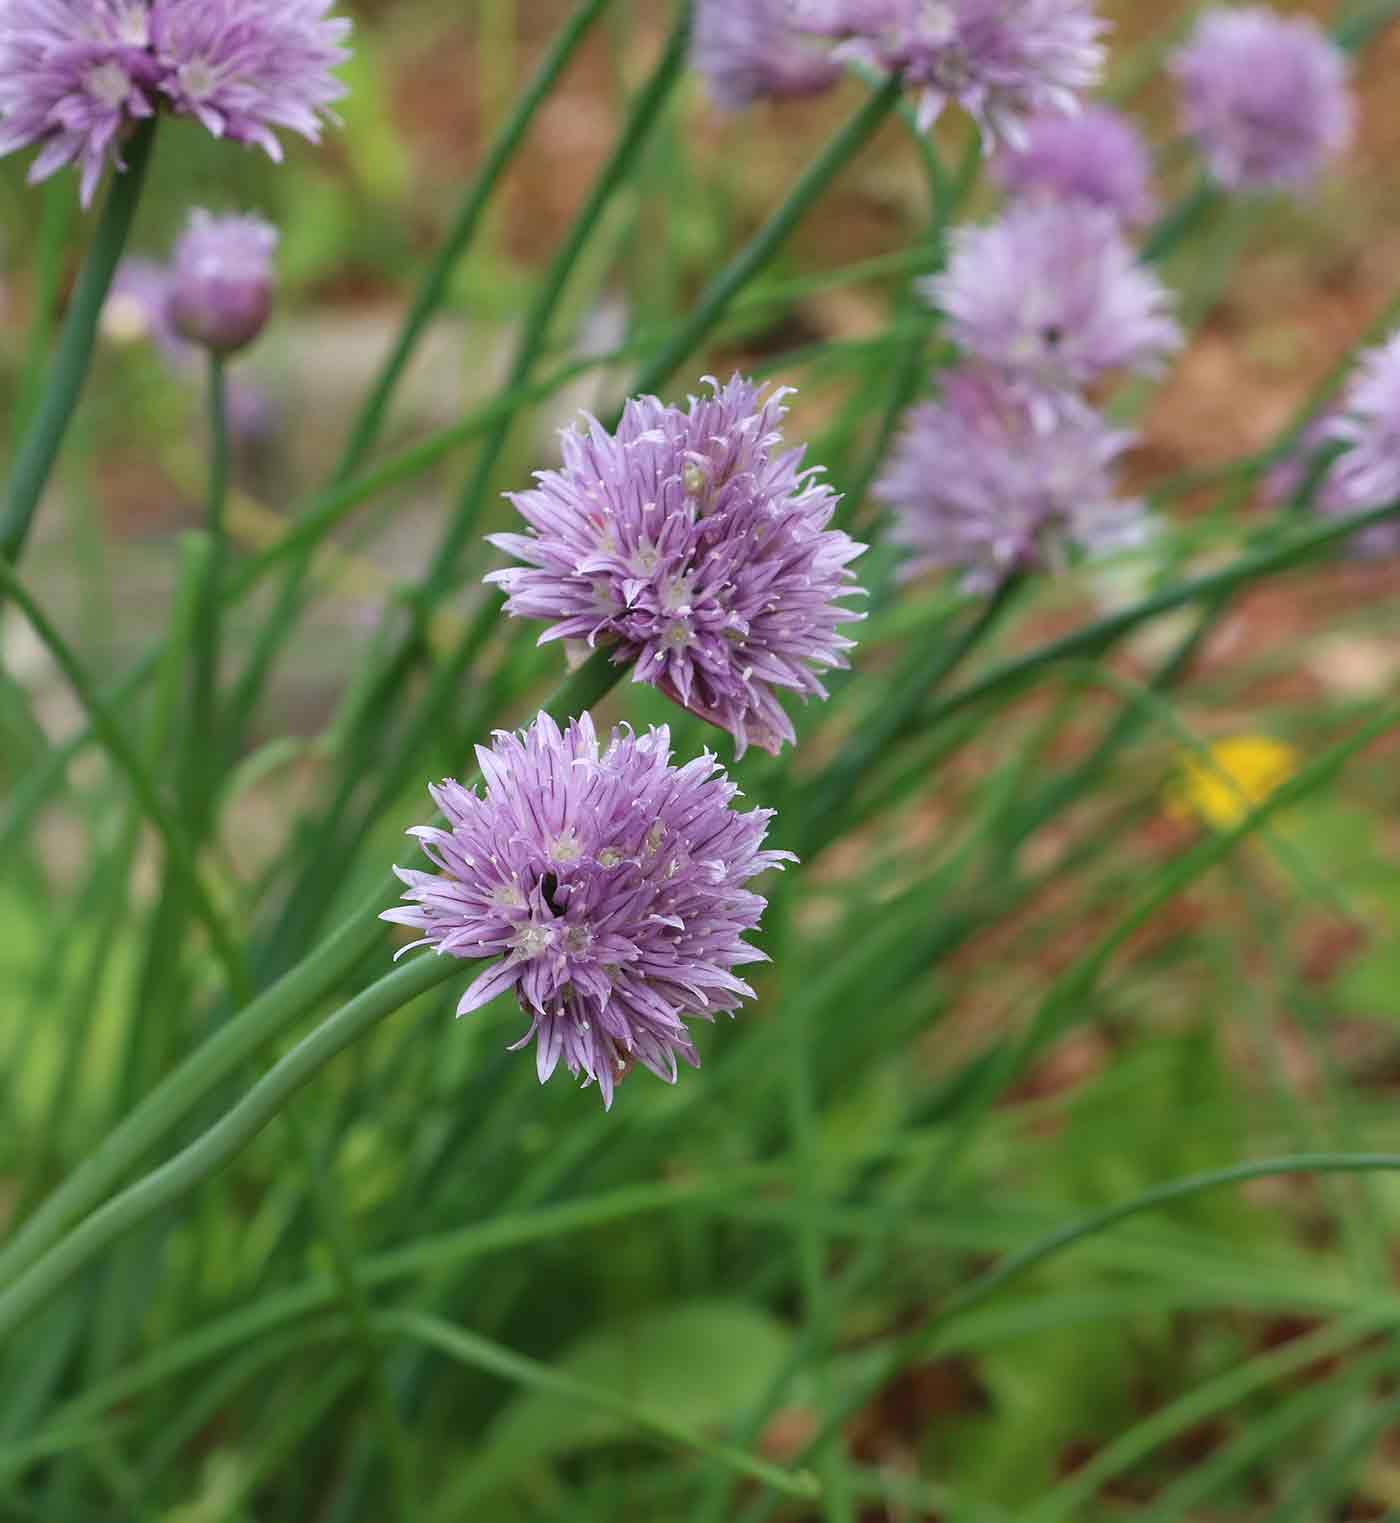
point(1255, 1015)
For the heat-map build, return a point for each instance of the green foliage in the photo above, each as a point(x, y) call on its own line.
point(1053, 1173)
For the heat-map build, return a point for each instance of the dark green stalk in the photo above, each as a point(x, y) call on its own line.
point(636, 132)
point(226, 1052)
point(203, 754)
point(210, 1152)
point(34, 462)
point(894, 720)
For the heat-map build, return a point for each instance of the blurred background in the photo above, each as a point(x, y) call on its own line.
point(1258, 1013)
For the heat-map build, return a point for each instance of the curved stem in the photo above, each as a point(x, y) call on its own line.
point(35, 459)
point(233, 1044)
point(223, 1140)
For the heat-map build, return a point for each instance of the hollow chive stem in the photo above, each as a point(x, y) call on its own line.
point(34, 461)
point(268, 1016)
point(203, 755)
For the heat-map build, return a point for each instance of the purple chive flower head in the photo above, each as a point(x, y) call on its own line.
point(699, 547)
point(244, 68)
point(222, 280)
point(1001, 60)
point(1051, 292)
point(750, 50)
point(1265, 96)
point(609, 884)
point(982, 481)
point(1096, 157)
point(75, 74)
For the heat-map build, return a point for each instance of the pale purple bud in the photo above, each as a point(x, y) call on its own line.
point(222, 280)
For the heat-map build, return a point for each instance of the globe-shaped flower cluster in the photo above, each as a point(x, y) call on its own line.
point(983, 485)
point(698, 548)
point(75, 74)
point(608, 884)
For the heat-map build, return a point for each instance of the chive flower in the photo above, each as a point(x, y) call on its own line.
point(222, 281)
point(750, 50)
point(698, 548)
point(984, 481)
point(1002, 61)
point(1051, 292)
point(1096, 157)
point(608, 884)
point(1265, 97)
point(76, 74)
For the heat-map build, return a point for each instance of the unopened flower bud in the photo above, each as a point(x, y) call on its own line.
point(222, 281)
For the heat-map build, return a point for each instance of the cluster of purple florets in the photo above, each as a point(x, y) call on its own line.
point(609, 886)
point(76, 74)
point(697, 547)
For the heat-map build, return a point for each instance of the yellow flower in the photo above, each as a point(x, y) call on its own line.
point(1221, 787)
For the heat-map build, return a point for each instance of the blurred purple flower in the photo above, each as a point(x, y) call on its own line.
point(1096, 157)
point(698, 546)
point(981, 482)
point(1367, 474)
point(75, 74)
point(608, 883)
point(246, 67)
point(1001, 60)
point(1051, 292)
point(221, 280)
point(1265, 96)
point(749, 50)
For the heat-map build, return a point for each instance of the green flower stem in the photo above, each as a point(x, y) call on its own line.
point(433, 291)
point(715, 299)
point(125, 755)
point(36, 456)
point(204, 755)
point(222, 1056)
point(1093, 639)
point(222, 1141)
